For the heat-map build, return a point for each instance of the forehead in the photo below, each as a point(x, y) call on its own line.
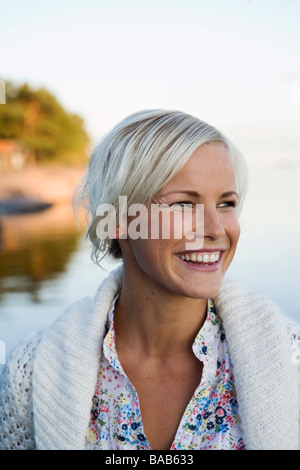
point(209, 166)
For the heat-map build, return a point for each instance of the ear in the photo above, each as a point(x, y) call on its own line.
point(120, 233)
point(121, 230)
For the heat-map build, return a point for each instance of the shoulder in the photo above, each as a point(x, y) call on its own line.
point(84, 319)
point(252, 321)
point(80, 326)
point(46, 362)
point(234, 302)
point(67, 359)
point(259, 338)
point(18, 382)
point(232, 292)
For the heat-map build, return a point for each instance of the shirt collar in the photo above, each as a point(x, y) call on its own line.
point(109, 343)
point(208, 337)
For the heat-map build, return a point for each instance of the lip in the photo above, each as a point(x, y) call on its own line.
point(202, 267)
point(203, 250)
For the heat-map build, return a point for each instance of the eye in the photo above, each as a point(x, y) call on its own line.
point(181, 204)
point(227, 204)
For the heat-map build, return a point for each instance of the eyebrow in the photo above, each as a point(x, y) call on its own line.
point(195, 194)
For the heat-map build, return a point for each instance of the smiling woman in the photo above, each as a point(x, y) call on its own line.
point(169, 354)
point(139, 157)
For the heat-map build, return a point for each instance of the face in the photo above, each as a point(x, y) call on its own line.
point(175, 266)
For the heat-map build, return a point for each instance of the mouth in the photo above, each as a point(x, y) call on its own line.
point(206, 260)
point(201, 258)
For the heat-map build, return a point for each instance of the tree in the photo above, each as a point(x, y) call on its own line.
point(36, 118)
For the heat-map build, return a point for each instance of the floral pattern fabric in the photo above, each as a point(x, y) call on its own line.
point(210, 420)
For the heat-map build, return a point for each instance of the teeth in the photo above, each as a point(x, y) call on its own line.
point(204, 258)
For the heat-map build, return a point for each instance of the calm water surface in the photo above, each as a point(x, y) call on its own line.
point(45, 264)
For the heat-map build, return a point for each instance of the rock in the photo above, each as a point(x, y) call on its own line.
point(22, 205)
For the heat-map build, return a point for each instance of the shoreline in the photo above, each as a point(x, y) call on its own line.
point(45, 184)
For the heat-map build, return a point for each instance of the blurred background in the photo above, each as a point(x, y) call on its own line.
point(72, 69)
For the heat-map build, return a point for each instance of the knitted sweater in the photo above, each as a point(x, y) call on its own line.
point(48, 383)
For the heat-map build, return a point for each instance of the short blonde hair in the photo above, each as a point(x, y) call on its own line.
point(138, 157)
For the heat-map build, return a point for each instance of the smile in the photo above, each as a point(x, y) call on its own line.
point(203, 258)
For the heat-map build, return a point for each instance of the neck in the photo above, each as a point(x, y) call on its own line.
point(158, 323)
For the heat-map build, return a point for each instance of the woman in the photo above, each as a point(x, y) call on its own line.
point(169, 354)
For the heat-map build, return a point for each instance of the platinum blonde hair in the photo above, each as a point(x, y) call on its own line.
point(137, 158)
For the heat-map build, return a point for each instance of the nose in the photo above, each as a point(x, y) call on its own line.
point(213, 226)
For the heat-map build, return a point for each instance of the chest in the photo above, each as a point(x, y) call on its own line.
point(164, 410)
point(188, 403)
point(164, 394)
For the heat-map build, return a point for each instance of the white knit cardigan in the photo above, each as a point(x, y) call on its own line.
point(48, 383)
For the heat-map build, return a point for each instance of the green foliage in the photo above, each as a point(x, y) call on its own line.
point(36, 118)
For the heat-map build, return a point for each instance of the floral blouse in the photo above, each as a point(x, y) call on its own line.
point(210, 420)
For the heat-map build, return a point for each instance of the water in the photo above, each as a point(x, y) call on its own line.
point(44, 267)
point(45, 263)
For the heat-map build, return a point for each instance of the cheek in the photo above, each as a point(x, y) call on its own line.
point(144, 252)
point(233, 230)
point(233, 233)
point(151, 257)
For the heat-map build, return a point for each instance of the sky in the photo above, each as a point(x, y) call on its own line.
point(232, 63)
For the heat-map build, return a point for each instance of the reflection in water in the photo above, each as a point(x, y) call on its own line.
point(35, 248)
